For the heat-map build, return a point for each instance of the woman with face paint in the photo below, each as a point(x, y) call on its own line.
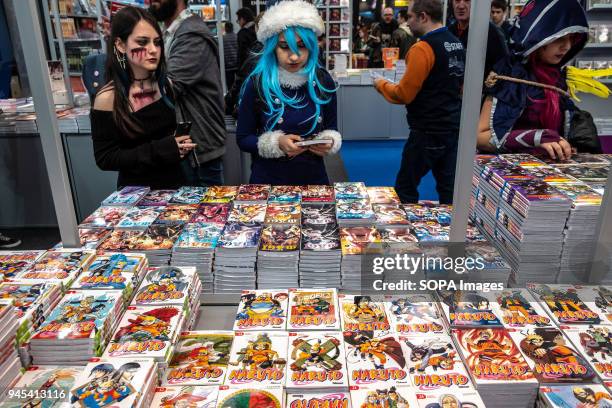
point(133, 119)
point(288, 99)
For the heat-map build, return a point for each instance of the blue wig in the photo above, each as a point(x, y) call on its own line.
point(265, 77)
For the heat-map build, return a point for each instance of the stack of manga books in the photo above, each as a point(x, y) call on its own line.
point(320, 254)
point(235, 258)
point(248, 213)
point(583, 395)
point(313, 309)
point(127, 196)
point(10, 365)
point(53, 384)
point(115, 382)
point(497, 367)
point(196, 247)
point(429, 222)
point(165, 305)
point(285, 194)
point(195, 396)
point(12, 263)
point(113, 271)
point(92, 237)
point(262, 310)
point(32, 302)
point(335, 398)
point(139, 218)
point(62, 266)
point(251, 394)
point(389, 215)
point(278, 256)
point(176, 214)
point(356, 243)
point(253, 193)
point(530, 218)
point(157, 242)
point(383, 195)
point(104, 217)
point(157, 198)
point(286, 213)
point(318, 194)
point(353, 205)
point(188, 195)
point(77, 329)
point(220, 194)
point(494, 266)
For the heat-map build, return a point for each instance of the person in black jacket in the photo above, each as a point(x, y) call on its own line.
point(499, 17)
point(246, 35)
point(133, 121)
point(193, 69)
point(496, 44)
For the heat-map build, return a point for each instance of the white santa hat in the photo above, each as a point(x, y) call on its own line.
point(289, 13)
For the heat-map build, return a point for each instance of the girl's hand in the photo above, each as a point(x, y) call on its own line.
point(287, 144)
point(560, 150)
point(321, 149)
point(185, 145)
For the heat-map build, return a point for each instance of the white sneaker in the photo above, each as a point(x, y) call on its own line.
point(8, 242)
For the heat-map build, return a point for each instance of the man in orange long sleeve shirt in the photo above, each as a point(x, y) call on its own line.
point(431, 91)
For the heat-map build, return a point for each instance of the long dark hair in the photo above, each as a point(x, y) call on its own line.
point(122, 25)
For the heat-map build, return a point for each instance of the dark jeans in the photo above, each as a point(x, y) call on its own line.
point(424, 152)
point(208, 174)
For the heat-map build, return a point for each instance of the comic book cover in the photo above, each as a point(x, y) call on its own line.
point(580, 193)
point(468, 309)
point(523, 160)
point(279, 213)
point(350, 191)
point(362, 313)
point(220, 194)
point(14, 262)
point(248, 213)
point(79, 315)
point(390, 214)
point(257, 359)
point(241, 396)
point(127, 196)
point(157, 198)
point(262, 310)
point(594, 342)
point(253, 192)
point(320, 237)
point(564, 305)
point(199, 235)
point(287, 194)
point(576, 396)
point(237, 235)
point(318, 194)
point(414, 314)
point(383, 195)
point(418, 212)
point(316, 361)
point(332, 399)
point(587, 172)
point(139, 218)
point(599, 299)
point(280, 238)
point(468, 398)
point(375, 359)
point(351, 237)
point(552, 357)
point(518, 309)
point(177, 213)
point(112, 382)
point(313, 310)
point(382, 396)
point(146, 331)
point(156, 237)
point(44, 379)
point(25, 296)
point(397, 235)
point(434, 364)
point(430, 231)
point(212, 213)
point(188, 195)
point(111, 271)
point(354, 210)
point(59, 265)
point(168, 285)
point(185, 396)
point(318, 214)
point(491, 356)
point(91, 237)
point(119, 240)
point(199, 358)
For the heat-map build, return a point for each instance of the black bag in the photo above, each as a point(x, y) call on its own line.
point(583, 133)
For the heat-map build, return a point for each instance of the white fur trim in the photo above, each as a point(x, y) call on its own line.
point(333, 135)
point(267, 145)
point(291, 80)
point(289, 13)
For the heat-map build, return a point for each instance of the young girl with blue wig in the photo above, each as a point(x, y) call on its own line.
point(288, 98)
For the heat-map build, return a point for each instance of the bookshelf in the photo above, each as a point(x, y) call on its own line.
point(598, 51)
point(337, 15)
